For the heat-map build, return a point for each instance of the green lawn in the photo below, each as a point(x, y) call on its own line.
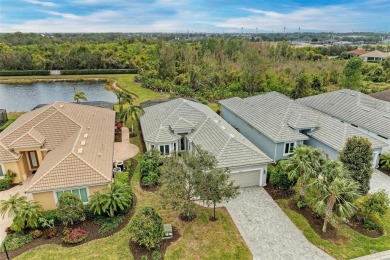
point(11, 118)
point(200, 239)
point(354, 244)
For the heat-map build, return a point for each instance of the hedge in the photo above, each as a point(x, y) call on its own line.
point(24, 72)
point(103, 71)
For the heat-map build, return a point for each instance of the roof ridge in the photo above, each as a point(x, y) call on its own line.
point(93, 168)
point(48, 106)
point(71, 119)
point(43, 175)
point(282, 122)
point(5, 148)
point(201, 126)
point(223, 147)
point(18, 139)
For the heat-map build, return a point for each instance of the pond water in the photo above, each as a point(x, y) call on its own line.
point(24, 97)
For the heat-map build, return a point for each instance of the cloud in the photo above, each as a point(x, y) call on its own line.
point(326, 18)
point(42, 3)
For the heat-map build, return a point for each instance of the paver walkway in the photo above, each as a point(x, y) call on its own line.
point(125, 150)
point(268, 232)
point(379, 181)
point(385, 255)
point(7, 221)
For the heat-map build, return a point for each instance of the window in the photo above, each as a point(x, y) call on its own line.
point(289, 148)
point(164, 149)
point(1, 171)
point(81, 193)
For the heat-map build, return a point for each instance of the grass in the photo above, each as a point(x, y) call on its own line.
point(11, 118)
point(200, 239)
point(353, 245)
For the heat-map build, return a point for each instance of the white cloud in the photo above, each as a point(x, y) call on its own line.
point(42, 3)
point(326, 18)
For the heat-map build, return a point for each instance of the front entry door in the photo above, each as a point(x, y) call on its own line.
point(33, 158)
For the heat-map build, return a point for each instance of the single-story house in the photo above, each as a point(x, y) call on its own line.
point(179, 125)
point(375, 56)
point(277, 124)
point(357, 52)
point(365, 113)
point(60, 147)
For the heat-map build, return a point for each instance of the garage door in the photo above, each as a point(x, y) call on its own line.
point(246, 179)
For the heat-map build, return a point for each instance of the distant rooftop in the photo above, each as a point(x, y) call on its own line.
point(102, 104)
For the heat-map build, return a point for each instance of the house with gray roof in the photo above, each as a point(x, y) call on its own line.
point(179, 125)
point(365, 113)
point(276, 124)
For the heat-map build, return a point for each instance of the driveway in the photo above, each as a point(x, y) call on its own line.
point(379, 181)
point(4, 195)
point(268, 232)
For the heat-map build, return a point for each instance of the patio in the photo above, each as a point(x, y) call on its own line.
point(125, 150)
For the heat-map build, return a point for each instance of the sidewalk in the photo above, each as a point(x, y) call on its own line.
point(385, 255)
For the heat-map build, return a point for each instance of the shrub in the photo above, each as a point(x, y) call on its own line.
point(24, 72)
point(70, 209)
point(151, 179)
point(146, 228)
point(372, 225)
point(16, 240)
point(50, 215)
point(37, 233)
point(144, 257)
point(149, 168)
point(7, 181)
point(373, 204)
point(99, 71)
point(108, 224)
point(156, 255)
point(279, 176)
point(385, 161)
point(122, 178)
point(117, 199)
point(74, 236)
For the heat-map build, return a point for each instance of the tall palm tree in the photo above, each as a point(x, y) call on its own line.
point(12, 205)
point(132, 112)
point(78, 95)
point(336, 192)
point(124, 97)
point(304, 164)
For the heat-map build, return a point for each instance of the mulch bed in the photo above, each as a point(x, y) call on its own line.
point(385, 171)
point(358, 226)
point(149, 188)
point(139, 251)
point(277, 193)
point(316, 222)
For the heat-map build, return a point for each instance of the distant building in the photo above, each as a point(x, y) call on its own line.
point(342, 43)
point(375, 56)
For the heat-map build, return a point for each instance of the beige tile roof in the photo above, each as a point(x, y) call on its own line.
point(80, 139)
point(6, 155)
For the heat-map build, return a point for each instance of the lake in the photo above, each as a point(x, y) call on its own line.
point(24, 97)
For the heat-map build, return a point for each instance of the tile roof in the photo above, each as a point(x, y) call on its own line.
point(358, 52)
point(80, 140)
point(209, 131)
point(355, 108)
point(376, 54)
point(279, 118)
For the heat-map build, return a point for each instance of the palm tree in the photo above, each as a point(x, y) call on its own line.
point(304, 164)
point(78, 95)
point(132, 112)
point(385, 161)
point(27, 216)
point(117, 198)
point(12, 205)
point(124, 97)
point(336, 191)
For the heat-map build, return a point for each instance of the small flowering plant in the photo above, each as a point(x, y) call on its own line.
point(73, 236)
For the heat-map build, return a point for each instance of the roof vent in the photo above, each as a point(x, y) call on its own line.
point(224, 128)
point(231, 135)
point(80, 150)
point(99, 154)
point(216, 121)
point(366, 109)
point(353, 94)
point(85, 135)
point(88, 127)
point(342, 91)
point(83, 142)
point(387, 116)
point(61, 106)
point(185, 100)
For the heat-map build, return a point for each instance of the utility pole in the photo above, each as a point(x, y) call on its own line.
point(299, 34)
point(284, 30)
point(256, 30)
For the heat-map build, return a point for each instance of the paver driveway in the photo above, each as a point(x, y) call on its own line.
point(268, 232)
point(379, 181)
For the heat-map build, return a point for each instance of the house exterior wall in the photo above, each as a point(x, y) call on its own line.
point(46, 199)
point(93, 189)
point(261, 141)
point(24, 152)
point(16, 167)
point(332, 153)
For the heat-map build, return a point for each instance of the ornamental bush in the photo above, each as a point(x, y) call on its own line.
point(74, 236)
point(279, 176)
point(146, 228)
point(70, 209)
point(373, 204)
point(149, 168)
point(7, 181)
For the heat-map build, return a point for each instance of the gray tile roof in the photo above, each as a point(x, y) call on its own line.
point(280, 119)
point(210, 131)
point(355, 108)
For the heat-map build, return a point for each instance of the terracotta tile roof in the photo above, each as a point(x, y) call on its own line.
point(80, 139)
point(358, 52)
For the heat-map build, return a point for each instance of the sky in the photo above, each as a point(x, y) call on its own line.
point(194, 16)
